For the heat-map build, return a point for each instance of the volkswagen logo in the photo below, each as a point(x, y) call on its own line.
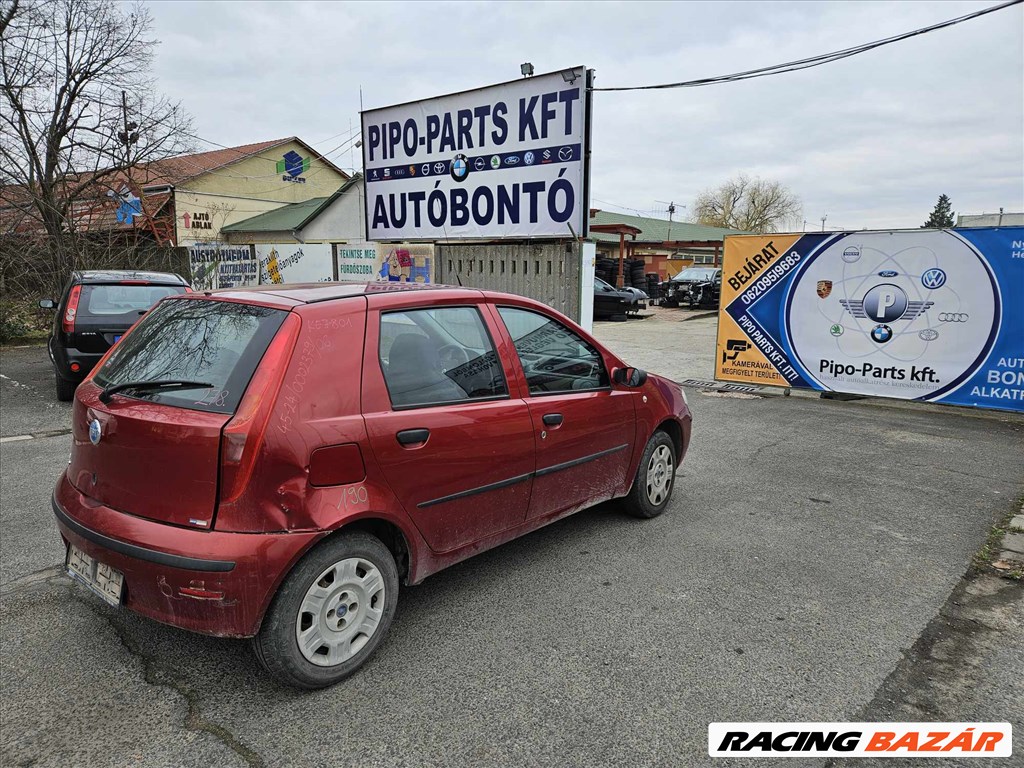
point(933, 278)
point(95, 432)
point(953, 317)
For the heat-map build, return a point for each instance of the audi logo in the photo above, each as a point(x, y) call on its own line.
point(953, 317)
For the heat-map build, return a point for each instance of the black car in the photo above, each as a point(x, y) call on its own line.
point(95, 309)
point(694, 287)
point(609, 301)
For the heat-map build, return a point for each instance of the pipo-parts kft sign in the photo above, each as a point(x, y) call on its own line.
point(506, 161)
point(931, 315)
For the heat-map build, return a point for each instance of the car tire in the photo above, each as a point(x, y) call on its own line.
point(341, 595)
point(65, 388)
point(655, 478)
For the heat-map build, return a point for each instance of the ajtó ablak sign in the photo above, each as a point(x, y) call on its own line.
point(931, 315)
point(860, 739)
point(504, 161)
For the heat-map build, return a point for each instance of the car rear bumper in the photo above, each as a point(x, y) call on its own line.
point(237, 573)
point(63, 357)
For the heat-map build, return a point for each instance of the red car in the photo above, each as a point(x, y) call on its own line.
point(271, 463)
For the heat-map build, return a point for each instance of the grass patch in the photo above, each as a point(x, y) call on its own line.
point(993, 546)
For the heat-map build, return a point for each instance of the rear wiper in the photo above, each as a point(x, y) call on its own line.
point(162, 385)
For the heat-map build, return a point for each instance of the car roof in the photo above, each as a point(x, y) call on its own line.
point(116, 275)
point(292, 294)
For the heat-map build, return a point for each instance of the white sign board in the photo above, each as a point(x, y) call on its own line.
point(506, 161)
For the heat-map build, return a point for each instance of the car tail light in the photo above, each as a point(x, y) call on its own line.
point(72, 309)
point(133, 282)
point(242, 437)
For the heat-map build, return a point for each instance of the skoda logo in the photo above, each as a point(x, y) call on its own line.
point(933, 278)
point(95, 432)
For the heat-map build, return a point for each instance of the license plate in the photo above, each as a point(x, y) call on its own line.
point(117, 339)
point(99, 577)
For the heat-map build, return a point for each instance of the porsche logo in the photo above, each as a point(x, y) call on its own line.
point(824, 288)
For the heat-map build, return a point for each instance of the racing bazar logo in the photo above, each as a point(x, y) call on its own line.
point(948, 740)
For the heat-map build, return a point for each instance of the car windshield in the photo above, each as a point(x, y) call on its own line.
point(695, 274)
point(218, 342)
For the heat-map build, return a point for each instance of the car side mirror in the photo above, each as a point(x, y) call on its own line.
point(47, 304)
point(629, 377)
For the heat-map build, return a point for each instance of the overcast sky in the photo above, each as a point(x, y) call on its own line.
point(871, 141)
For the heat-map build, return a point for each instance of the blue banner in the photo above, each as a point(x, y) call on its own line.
point(930, 315)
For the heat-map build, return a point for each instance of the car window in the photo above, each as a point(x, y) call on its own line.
point(214, 342)
point(110, 301)
point(554, 357)
point(438, 355)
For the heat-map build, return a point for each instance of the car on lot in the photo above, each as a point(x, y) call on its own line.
point(610, 301)
point(272, 462)
point(694, 287)
point(94, 311)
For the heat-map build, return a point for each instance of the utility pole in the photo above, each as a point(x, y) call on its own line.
point(130, 133)
point(671, 211)
point(823, 222)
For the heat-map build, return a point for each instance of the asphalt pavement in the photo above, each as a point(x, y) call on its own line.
point(811, 553)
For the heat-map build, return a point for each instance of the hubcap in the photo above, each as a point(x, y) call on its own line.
point(660, 472)
point(340, 612)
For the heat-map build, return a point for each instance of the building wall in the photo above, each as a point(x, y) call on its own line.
point(251, 186)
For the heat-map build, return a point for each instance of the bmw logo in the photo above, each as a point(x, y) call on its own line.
point(460, 168)
point(933, 278)
point(881, 334)
point(95, 432)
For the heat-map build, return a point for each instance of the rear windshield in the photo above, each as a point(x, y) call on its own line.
point(214, 342)
point(122, 302)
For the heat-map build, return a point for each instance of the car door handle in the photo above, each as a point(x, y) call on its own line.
point(552, 419)
point(413, 436)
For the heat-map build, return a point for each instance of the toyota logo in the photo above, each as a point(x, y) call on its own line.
point(953, 317)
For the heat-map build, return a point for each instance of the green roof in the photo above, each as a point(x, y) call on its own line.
point(283, 219)
point(659, 230)
point(292, 217)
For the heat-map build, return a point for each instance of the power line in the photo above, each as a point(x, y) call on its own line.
point(813, 61)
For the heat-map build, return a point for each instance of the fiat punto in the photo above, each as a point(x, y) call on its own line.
point(273, 462)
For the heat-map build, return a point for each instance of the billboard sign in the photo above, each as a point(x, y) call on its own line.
point(506, 161)
point(929, 315)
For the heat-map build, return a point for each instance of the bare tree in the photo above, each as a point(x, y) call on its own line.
point(752, 205)
point(78, 109)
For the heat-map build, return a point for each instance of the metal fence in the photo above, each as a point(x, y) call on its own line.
point(547, 272)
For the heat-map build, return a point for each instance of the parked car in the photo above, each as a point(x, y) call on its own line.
point(610, 301)
point(694, 287)
point(94, 311)
point(272, 462)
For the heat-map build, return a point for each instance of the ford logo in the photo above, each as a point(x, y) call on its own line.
point(95, 432)
point(887, 273)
